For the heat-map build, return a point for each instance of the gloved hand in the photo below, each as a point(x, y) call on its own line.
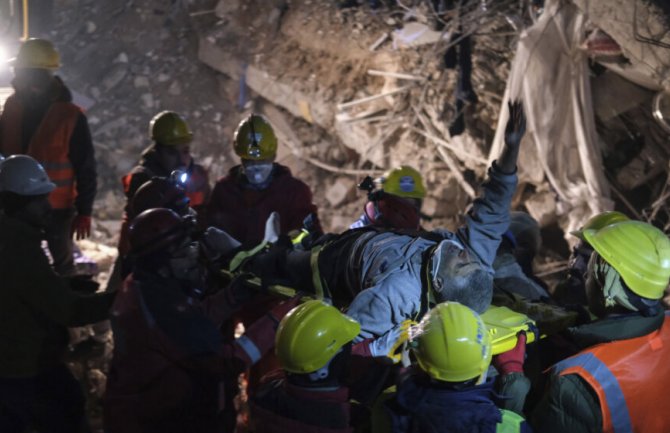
point(81, 226)
point(217, 243)
point(388, 344)
point(516, 125)
point(514, 131)
point(512, 360)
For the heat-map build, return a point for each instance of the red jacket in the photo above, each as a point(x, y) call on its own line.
point(242, 211)
point(168, 358)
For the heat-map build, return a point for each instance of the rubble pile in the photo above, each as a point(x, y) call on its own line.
point(131, 60)
point(352, 92)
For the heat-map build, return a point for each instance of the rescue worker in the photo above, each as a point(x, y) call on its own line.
point(383, 277)
point(244, 199)
point(37, 306)
point(170, 151)
point(620, 371)
point(40, 120)
point(572, 291)
point(168, 355)
point(450, 391)
point(396, 203)
point(314, 346)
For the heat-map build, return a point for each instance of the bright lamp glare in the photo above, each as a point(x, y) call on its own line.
point(183, 177)
point(3, 57)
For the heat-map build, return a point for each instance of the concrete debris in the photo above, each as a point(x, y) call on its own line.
point(542, 207)
point(141, 81)
point(116, 74)
point(340, 191)
point(90, 27)
point(415, 34)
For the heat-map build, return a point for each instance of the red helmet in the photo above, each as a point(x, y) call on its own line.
point(159, 192)
point(393, 212)
point(156, 229)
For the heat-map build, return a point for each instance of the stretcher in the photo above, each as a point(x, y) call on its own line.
point(503, 323)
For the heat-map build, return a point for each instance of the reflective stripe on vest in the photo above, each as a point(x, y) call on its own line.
point(587, 364)
point(50, 145)
point(629, 377)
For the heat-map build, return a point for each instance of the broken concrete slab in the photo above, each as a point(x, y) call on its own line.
point(342, 189)
point(542, 207)
point(608, 103)
point(414, 34)
point(634, 25)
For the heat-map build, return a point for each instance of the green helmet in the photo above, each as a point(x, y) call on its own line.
point(638, 251)
point(599, 221)
point(455, 345)
point(36, 54)
point(311, 334)
point(170, 129)
point(255, 139)
point(403, 181)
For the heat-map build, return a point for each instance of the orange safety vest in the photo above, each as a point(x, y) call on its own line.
point(630, 377)
point(50, 145)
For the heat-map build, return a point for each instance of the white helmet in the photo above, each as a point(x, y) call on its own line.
point(22, 175)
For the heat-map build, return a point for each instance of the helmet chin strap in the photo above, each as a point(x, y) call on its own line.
point(322, 373)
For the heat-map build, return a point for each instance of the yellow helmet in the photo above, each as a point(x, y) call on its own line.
point(638, 251)
point(311, 334)
point(36, 54)
point(599, 221)
point(170, 129)
point(255, 139)
point(403, 181)
point(455, 345)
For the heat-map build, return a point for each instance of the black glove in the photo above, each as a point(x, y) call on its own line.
point(514, 131)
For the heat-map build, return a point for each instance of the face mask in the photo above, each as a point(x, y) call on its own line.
point(257, 174)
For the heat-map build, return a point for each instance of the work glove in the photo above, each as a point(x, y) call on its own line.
point(387, 345)
point(512, 360)
point(217, 243)
point(81, 226)
point(516, 125)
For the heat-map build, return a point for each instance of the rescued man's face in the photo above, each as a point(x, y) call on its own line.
point(456, 260)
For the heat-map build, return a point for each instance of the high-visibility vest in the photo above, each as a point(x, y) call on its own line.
point(49, 145)
point(629, 377)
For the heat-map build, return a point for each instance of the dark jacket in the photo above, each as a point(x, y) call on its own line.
point(36, 305)
point(242, 211)
point(150, 166)
point(569, 404)
point(81, 153)
point(419, 406)
point(280, 407)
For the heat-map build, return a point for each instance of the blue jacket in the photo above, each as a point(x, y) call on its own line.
point(392, 263)
point(418, 407)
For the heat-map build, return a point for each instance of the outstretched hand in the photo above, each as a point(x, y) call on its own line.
point(516, 125)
